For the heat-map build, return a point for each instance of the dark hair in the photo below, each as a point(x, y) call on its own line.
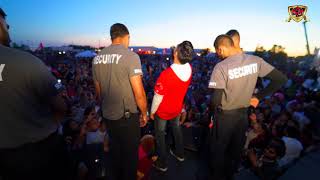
point(2, 13)
point(88, 110)
point(185, 52)
point(288, 114)
point(118, 30)
point(224, 40)
point(279, 130)
point(233, 33)
point(293, 132)
point(279, 146)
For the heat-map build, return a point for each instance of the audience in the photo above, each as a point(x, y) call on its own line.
point(283, 127)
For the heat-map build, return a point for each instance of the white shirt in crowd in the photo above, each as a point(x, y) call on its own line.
point(293, 150)
point(250, 136)
point(96, 137)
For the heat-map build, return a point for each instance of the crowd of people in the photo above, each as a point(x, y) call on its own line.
point(283, 127)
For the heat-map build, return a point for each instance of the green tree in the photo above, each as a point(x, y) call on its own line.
point(278, 56)
point(204, 52)
point(260, 51)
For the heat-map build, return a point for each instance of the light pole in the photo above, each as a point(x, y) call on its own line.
point(306, 35)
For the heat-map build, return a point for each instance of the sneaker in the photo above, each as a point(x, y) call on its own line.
point(159, 166)
point(181, 159)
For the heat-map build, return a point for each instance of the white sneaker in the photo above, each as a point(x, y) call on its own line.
point(160, 166)
point(181, 159)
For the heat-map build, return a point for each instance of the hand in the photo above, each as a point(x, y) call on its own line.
point(83, 128)
point(140, 175)
point(180, 123)
point(143, 120)
point(188, 124)
point(152, 116)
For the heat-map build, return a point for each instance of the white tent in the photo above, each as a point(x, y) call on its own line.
point(86, 54)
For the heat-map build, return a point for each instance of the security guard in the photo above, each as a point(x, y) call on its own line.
point(30, 107)
point(233, 81)
point(118, 78)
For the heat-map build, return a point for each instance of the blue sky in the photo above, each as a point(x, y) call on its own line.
point(161, 23)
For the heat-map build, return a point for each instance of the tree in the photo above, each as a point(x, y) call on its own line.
point(21, 47)
point(260, 51)
point(277, 56)
point(204, 52)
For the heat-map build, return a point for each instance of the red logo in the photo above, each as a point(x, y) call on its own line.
point(297, 13)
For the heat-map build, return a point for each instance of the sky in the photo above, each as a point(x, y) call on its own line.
point(162, 23)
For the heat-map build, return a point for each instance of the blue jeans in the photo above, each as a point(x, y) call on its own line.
point(160, 130)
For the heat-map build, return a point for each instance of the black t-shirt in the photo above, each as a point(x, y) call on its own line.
point(26, 86)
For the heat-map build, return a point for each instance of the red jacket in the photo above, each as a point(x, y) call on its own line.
point(173, 90)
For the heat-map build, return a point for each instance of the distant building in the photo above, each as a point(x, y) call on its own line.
point(144, 49)
point(62, 48)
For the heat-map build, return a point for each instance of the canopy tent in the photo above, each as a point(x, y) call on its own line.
point(86, 54)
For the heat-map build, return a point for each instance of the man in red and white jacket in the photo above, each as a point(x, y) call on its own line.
point(169, 93)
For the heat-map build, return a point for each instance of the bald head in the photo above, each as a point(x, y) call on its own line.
point(235, 36)
point(223, 40)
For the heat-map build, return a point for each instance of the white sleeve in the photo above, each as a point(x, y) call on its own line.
point(157, 99)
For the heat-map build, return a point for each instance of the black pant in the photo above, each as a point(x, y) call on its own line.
point(42, 160)
point(124, 142)
point(226, 142)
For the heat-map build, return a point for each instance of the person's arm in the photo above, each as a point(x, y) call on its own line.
point(215, 100)
point(217, 84)
point(97, 85)
point(183, 117)
point(277, 80)
point(159, 93)
point(98, 91)
point(252, 158)
point(58, 106)
point(157, 99)
point(47, 88)
point(139, 94)
point(276, 77)
point(135, 73)
point(81, 138)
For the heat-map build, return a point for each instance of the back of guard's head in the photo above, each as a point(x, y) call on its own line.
point(118, 30)
point(223, 40)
